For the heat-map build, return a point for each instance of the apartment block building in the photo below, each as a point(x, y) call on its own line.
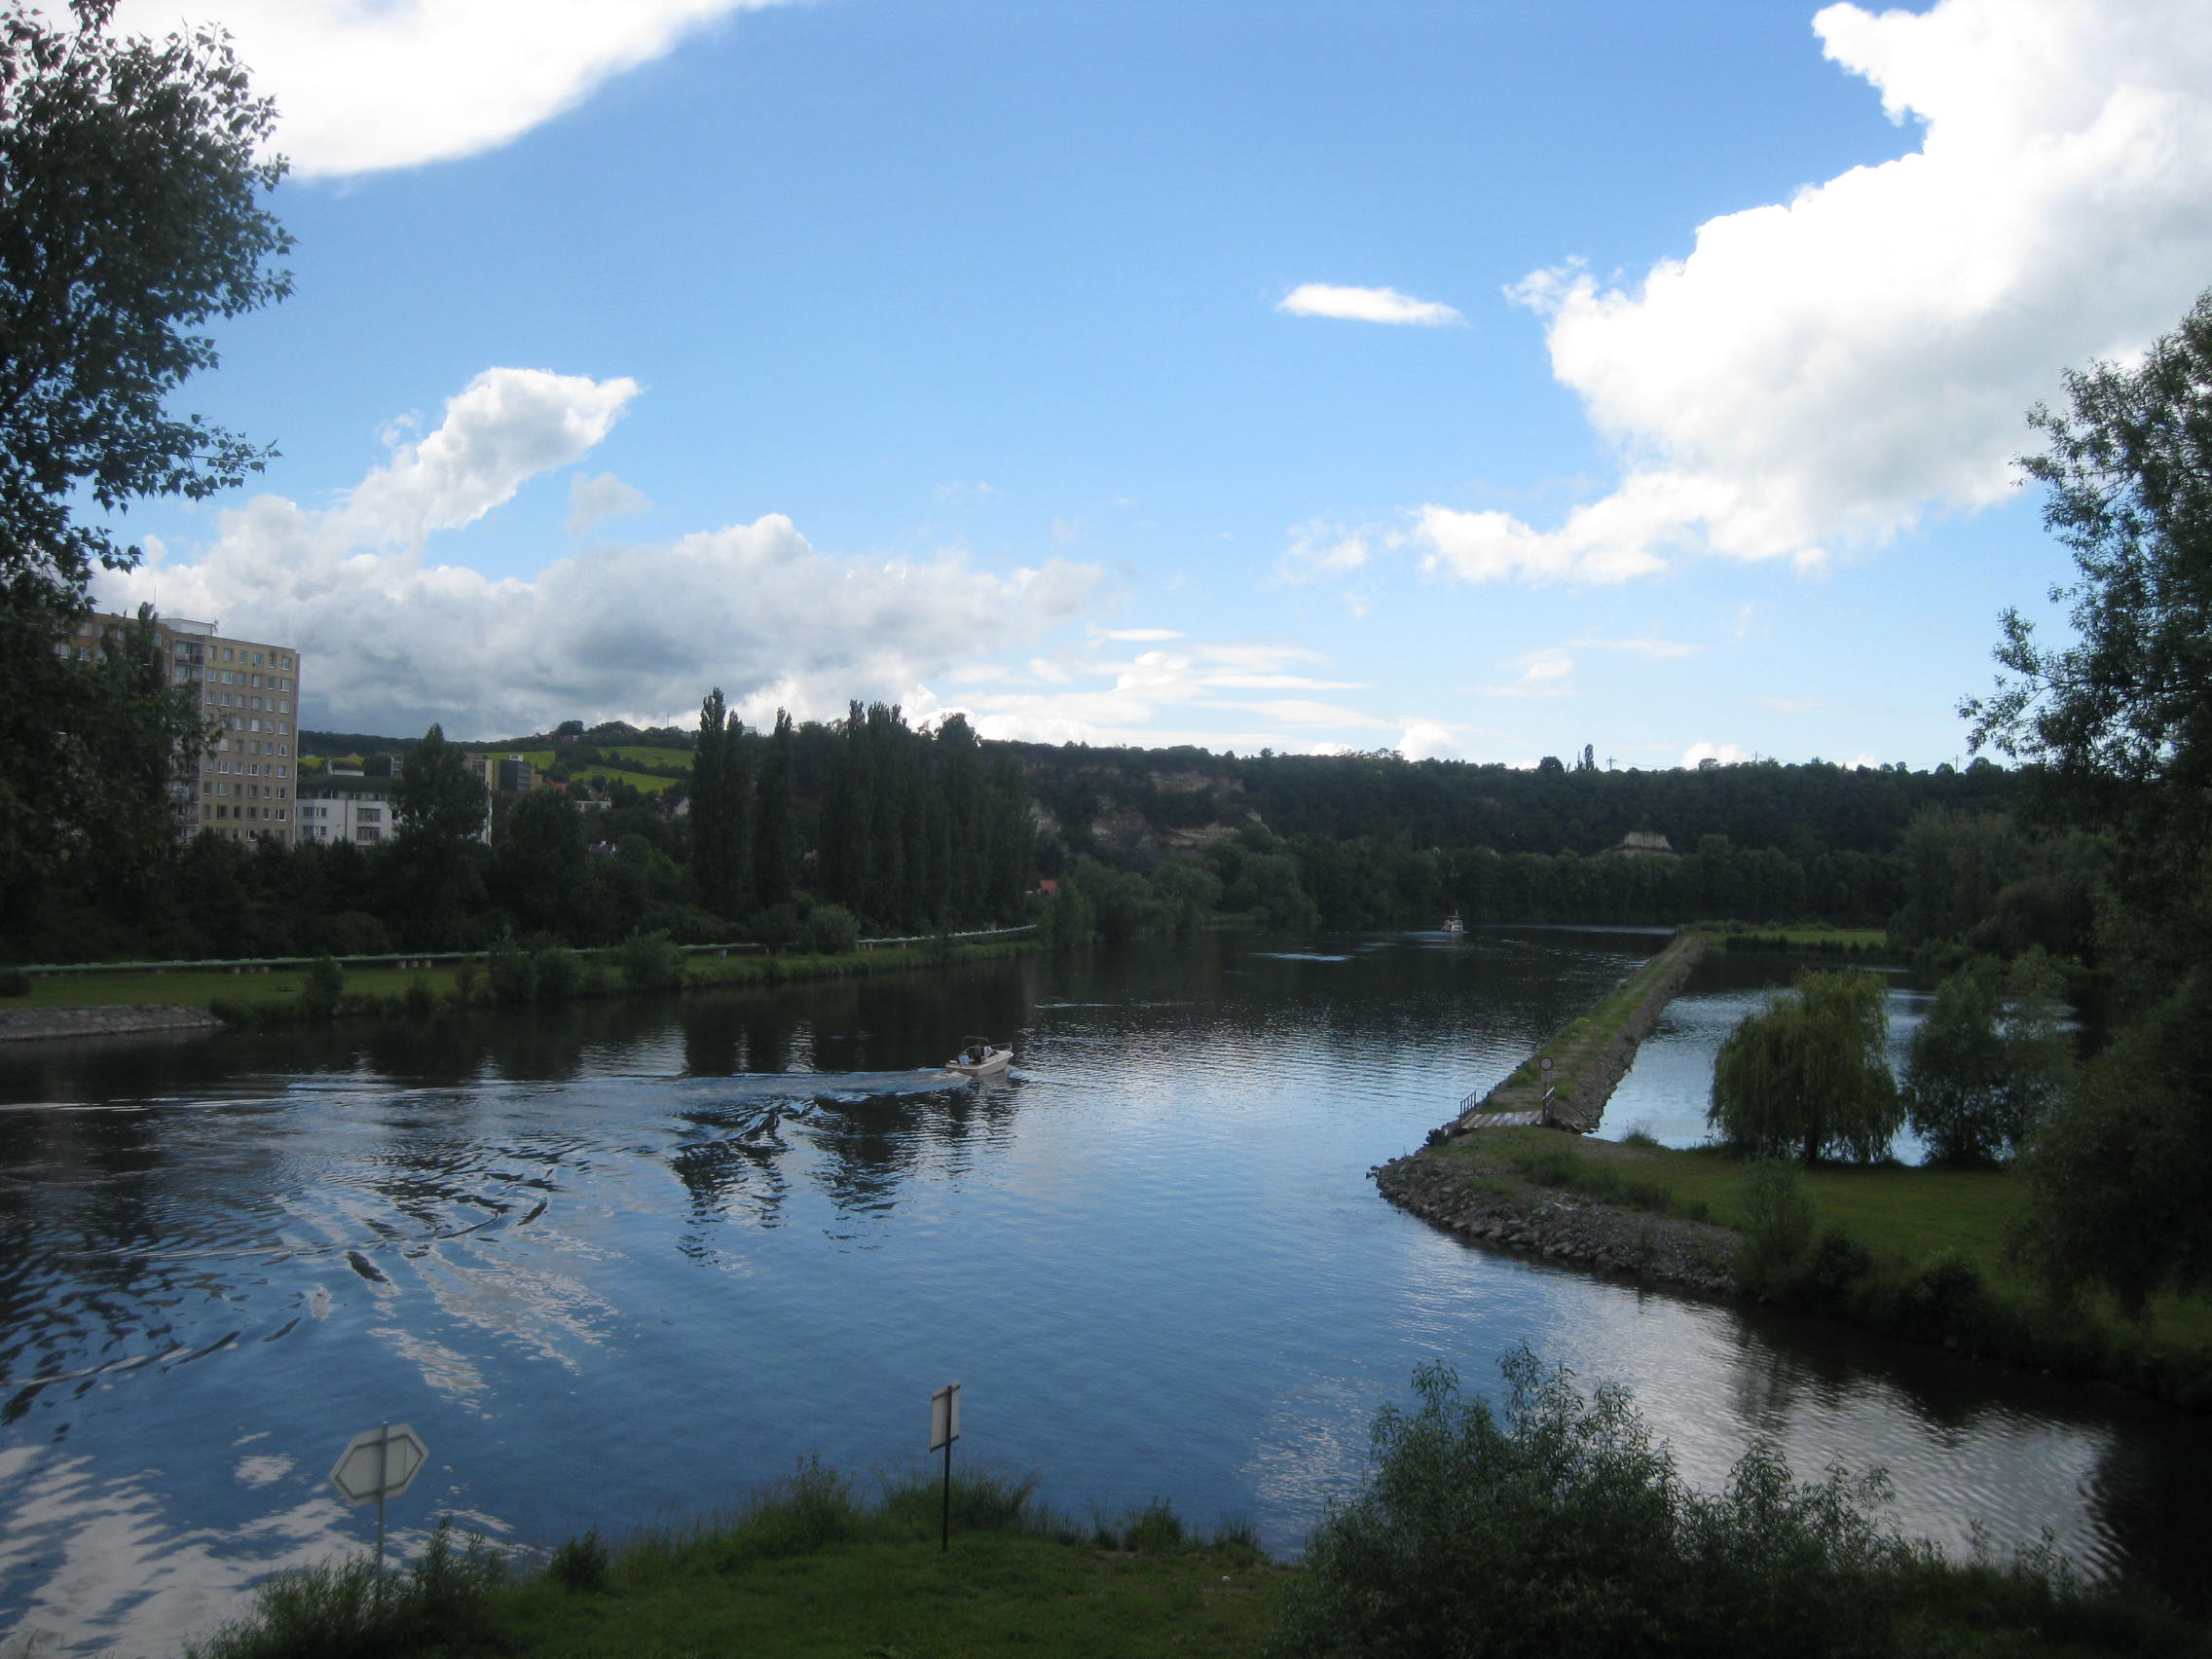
point(243, 788)
point(342, 805)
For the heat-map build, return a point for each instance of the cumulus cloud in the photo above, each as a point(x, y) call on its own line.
point(1426, 740)
point(364, 87)
point(390, 640)
point(603, 497)
point(1725, 754)
point(1830, 370)
point(506, 427)
point(1366, 305)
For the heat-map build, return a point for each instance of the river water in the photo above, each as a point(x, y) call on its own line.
point(619, 1263)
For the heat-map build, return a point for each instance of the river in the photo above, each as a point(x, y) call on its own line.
point(577, 1254)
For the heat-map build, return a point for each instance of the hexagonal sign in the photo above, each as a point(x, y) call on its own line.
point(383, 1462)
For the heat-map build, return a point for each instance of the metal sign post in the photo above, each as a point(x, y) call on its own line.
point(944, 1429)
point(377, 1465)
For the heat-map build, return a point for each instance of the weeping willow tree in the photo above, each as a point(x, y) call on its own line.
point(1809, 1077)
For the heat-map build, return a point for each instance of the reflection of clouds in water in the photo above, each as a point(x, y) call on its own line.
point(541, 1311)
point(115, 1574)
point(264, 1469)
point(449, 1373)
point(1708, 1384)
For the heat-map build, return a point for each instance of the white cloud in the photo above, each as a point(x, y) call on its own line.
point(1648, 649)
point(1426, 740)
point(1727, 754)
point(1831, 370)
point(504, 428)
point(395, 82)
point(603, 497)
point(1544, 673)
point(1141, 636)
point(1320, 549)
point(392, 642)
point(1366, 305)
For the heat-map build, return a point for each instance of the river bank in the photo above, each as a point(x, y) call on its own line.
point(144, 998)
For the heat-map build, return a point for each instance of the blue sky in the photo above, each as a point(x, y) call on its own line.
point(1040, 362)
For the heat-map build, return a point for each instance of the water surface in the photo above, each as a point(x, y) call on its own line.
point(622, 1262)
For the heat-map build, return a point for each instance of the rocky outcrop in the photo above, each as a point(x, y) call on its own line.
point(1465, 1196)
point(22, 1024)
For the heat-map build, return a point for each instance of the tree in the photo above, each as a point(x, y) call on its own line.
point(2120, 719)
point(2120, 723)
point(1808, 1076)
point(722, 788)
point(1988, 1061)
point(775, 845)
point(129, 214)
point(438, 805)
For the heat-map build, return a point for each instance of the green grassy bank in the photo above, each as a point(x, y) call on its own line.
point(1547, 1524)
point(277, 996)
point(1910, 1252)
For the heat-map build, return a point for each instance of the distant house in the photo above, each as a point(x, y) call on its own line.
point(1642, 842)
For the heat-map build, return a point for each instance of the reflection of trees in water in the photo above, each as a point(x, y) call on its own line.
point(722, 1173)
point(2152, 1465)
point(2147, 1493)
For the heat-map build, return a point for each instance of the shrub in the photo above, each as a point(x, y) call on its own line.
point(560, 971)
point(421, 1001)
point(581, 1563)
point(832, 931)
point(15, 982)
point(776, 926)
point(1945, 1298)
point(337, 1611)
point(1835, 1270)
point(1778, 1226)
point(464, 984)
point(324, 987)
point(1555, 1526)
point(651, 962)
point(512, 974)
point(1156, 1529)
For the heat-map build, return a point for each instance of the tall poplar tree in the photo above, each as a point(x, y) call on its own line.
point(775, 842)
point(720, 803)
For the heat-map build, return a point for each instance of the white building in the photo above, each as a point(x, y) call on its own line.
point(341, 805)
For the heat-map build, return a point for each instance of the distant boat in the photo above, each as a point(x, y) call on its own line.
point(979, 1058)
point(1453, 927)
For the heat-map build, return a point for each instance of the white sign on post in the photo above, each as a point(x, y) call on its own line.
point(379, 1464)
point(1545, 1065)
point(945, 1417)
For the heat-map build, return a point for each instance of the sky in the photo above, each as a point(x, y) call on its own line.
point(1477, 380)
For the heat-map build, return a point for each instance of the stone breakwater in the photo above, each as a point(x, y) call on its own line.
point(1593, 1053)
point(22, 1024)
point(1464, 1196)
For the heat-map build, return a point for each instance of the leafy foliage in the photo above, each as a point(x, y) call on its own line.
point(1555, 1525)
point(1808, 1076)
point(1990, 1058)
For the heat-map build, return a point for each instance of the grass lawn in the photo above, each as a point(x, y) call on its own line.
point(1903, 1215)
point(995, 1593)
point(1802, 936)
point(198, 989)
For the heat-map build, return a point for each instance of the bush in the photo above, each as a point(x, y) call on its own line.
point(1778, 1226)
point(1555, 1525)
point(1837, 1266)
point(15, 982)
point(832, 931)
point(651, 962)
point(581, 1563)
point(560, 972)
point(336, 1613)
point(324, 987)
point(464, 984)
point(512, 974)
point(421, 1002)
point(776, 926)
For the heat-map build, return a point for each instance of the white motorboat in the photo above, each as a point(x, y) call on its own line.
point(979, 1058)
point(1453, 927)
